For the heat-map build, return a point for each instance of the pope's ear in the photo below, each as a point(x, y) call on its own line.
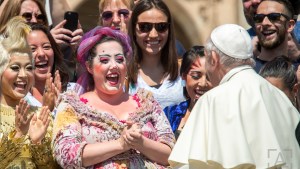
point(214, 60)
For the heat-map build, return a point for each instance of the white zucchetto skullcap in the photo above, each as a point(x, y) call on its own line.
point(233, 40)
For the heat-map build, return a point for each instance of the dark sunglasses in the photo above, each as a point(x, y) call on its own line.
point(160, 27)
point(273, 17)
point(107, 15)
point(40, 18)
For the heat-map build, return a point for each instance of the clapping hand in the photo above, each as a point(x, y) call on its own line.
point(38, 125)
point(22, 119)
point(133, 135)
point(52, 90)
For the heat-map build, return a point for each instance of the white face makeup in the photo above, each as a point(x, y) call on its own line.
point(109, 68)
point(17, 78)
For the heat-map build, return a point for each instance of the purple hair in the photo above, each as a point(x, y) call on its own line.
point(89, 40)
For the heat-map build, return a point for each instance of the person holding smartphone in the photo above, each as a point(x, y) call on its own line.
point(33, 11)
point(66, 36)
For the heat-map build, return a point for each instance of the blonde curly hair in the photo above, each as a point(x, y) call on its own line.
point(14, 41)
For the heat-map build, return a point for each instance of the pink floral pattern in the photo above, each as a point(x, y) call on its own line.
point(78, 124)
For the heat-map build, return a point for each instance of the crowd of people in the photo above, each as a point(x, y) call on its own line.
point(125, 94)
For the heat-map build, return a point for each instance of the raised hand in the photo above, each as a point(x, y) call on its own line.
point(38, 125)
point(57, 84)
point(22, 119)
point(76, 37)
point(60, 34)
point(49, 96)
point(123, 26)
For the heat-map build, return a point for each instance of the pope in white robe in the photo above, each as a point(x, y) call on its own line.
point(244, 122)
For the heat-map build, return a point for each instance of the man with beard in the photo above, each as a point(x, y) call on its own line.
point(250, 7)
point(237, 124)
point(273, 23)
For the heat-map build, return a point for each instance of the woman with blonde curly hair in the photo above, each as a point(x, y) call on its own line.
point(24, 130)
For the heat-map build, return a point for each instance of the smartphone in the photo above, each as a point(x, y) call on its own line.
point(72, 20)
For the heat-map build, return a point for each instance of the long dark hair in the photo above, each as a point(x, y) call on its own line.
point(168, 55)
point(59, 63)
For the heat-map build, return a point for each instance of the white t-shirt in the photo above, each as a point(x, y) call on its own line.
point(168, 94)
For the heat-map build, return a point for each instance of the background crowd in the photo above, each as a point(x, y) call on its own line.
point(126, 94)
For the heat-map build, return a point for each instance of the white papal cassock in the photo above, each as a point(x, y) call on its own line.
point(245, 122)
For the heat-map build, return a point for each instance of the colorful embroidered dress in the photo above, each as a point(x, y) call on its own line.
point(78, 124)
point(21, 153)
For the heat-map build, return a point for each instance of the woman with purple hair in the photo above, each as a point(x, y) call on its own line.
point(105, 127)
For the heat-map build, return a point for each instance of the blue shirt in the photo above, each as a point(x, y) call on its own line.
point(175, 113)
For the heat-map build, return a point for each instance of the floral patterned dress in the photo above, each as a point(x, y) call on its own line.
point(78, 124)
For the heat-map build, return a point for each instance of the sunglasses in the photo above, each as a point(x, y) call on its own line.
point(40, 18)
point(273, 17)
point(107, 15)
point(160, 27)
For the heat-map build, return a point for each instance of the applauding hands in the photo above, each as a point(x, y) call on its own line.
point(22, 119)
point(52, 90)
point(33, 124)
point(132, 137)
point(38, 125)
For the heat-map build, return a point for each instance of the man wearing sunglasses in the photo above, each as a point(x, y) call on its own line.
point(273, 23)
point(250, 7)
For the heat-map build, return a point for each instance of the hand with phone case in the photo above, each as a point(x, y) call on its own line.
point(69, 31)
point(72, 20)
